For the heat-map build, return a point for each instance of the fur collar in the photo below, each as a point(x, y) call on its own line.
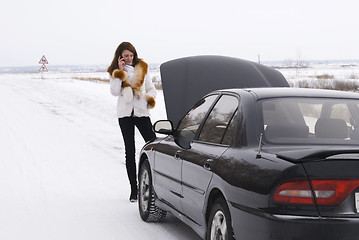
point(136, 88)
point(140, 72)
point(139, 77)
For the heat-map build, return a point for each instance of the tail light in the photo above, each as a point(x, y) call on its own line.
point(327, 192)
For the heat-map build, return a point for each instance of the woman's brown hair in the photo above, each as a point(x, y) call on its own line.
point(122, 47)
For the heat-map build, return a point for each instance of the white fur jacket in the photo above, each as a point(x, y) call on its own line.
point(135, 90)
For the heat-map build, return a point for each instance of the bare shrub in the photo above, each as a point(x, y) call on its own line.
point(158, 86)
point(157, 82)
point(292, 84)
point(346, 86)
point(324, 84)
point(338, 85)
point(92, 79)
point(353, 76)
point(325, 76)
point(303, 84)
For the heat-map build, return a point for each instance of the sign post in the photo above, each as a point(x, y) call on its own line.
point(43, 67)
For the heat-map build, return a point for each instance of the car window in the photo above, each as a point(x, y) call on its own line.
point(328, 110)
point(311, 120)
point(190, 123)
point(218, 120)
point(341, 111)
point(227, 139)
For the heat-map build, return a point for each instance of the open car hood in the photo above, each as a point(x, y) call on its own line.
point(186, 80)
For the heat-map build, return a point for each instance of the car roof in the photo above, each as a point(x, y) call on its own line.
point(186, 80)
point(262, 93)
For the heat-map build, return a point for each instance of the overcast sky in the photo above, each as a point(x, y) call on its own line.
point(88, 32)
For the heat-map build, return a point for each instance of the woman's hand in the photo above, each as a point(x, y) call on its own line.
point(121, 63)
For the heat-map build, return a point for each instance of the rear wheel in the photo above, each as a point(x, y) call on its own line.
point(219, 222)
point(146, 203)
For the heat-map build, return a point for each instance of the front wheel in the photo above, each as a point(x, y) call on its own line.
point(219, 222)
point(146, 203)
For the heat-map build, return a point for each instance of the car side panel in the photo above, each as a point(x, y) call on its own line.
point(167, 173)
point(247, 182)
point(196, 176)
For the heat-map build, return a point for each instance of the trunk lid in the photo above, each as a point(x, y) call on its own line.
point(338, 176)
point(332, 183)
point(333, 174)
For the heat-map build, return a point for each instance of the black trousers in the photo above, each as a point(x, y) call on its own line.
point(127, 125)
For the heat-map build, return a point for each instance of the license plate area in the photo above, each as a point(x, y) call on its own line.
point(357, 201)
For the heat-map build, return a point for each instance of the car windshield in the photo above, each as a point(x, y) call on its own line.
point(310, 120)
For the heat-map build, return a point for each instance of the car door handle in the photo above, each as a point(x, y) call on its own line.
point(208, 164)
point(178, 155)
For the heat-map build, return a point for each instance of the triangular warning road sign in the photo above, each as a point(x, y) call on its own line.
point(43, 60)
point(43, 68)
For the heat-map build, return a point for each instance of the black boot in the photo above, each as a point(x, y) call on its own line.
point(134, 192)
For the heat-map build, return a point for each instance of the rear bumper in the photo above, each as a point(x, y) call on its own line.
point(263, 226)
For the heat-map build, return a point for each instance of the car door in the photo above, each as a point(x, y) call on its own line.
point(167, 173)
point(169, 155)
point(212, 141)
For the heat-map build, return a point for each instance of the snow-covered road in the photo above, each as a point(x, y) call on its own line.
point(62, 172)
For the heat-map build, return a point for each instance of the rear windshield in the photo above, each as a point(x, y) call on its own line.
point(310, 120)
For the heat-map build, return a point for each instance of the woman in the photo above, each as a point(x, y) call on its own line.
point(132, 84)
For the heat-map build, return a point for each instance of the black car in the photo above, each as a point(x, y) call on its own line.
point(258, 163)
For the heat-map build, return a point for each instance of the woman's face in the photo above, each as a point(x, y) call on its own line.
point(127, 57)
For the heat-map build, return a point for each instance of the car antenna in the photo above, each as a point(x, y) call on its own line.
point(260, 146)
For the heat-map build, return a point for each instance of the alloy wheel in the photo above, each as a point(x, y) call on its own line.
point(219, 226)
point(144, 190)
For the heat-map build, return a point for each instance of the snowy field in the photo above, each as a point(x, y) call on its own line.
point(62, 172)
point(323, 72)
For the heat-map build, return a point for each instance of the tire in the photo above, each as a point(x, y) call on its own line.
point(219, 226)
point(146, 196)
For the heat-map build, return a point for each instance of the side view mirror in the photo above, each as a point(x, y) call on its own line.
point(163, 127)
point(182, 138)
